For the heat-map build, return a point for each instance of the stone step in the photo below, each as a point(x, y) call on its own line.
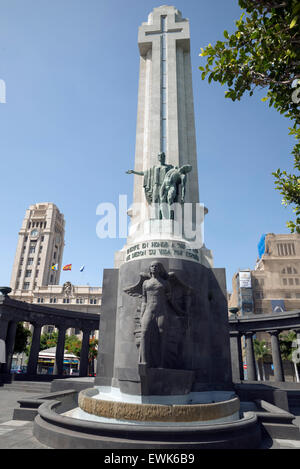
point(28, 386)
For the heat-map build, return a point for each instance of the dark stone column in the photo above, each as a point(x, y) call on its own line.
point(277, 362)
point(60, 348)
point(250, 357)
point(3, 334)
point(236, 356)
point(34, 349)
point(10, 343)
point(84, 354)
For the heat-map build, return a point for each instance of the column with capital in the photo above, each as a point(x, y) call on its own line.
point(250, 357)
point(34, 349)
point(276, 355)
point(84, 354)
point(236, 356)
point(10, 342)
point(60, 348)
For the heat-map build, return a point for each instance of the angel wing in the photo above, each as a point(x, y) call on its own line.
point(176, 283)
point(181, 294)
point(137, 289)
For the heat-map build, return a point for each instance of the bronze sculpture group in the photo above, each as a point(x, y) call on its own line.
point(164, 185)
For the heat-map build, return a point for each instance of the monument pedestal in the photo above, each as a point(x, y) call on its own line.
point(201, 346)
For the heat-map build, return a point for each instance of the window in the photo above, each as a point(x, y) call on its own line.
point(39, 261)
point(79, 301)
point(22, 260)
point(93, 301)
point(28, 273)
point(297, 295)
point(36, 273)
point(66, 300)
point(291, 281)
point(296, 281)
point(286, 249)
point(30, 260)
point(259, 294)
point(284, 281)
point(26, 285)
point(289, 270)
point(20, 273)
point(32, 248)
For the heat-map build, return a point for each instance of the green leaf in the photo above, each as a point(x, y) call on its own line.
point(293, 22)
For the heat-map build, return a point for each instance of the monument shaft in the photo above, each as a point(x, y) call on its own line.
point(165, 117)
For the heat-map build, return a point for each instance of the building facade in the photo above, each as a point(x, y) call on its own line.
point(274, 284)
point(40, 247)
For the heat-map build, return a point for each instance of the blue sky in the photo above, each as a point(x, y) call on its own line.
point(67, 130)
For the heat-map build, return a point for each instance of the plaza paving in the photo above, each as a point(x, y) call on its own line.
point(17, 434)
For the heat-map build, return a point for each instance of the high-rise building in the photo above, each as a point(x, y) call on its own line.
point(40, 246)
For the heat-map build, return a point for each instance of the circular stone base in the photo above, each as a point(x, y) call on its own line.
point(157, 412)
point(59, 431)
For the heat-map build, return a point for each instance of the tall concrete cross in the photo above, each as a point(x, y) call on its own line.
point(165, 118)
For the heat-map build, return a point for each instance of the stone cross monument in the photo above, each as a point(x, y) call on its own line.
point(165, 120)
point(164, 335)
point(165, 159)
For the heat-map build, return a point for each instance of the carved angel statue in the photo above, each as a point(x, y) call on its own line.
point(163, 315)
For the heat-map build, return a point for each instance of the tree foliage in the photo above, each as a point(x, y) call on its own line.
point(72, 344)
point(286, 345)
point(261, 350)
point(264, 52)
point(22, 338)
point(48, 340)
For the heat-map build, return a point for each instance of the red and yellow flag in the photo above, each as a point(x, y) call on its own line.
point(67, 267)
